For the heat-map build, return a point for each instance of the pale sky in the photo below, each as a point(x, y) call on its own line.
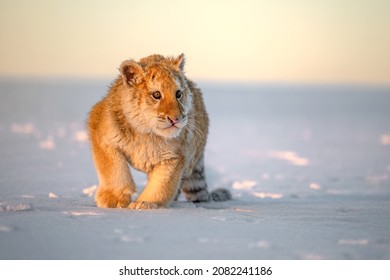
point(301, 41)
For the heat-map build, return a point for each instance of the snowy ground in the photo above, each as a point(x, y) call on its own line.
point(308, 166)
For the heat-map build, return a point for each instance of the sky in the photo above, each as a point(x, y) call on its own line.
point(301, 41)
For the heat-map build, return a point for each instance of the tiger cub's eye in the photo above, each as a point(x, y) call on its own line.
point(178, 94)
point(156, 95)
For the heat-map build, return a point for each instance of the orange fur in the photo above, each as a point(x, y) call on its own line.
point(164, 138)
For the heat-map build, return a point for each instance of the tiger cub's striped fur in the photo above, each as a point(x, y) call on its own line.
point(194, 186)
point(154, 119)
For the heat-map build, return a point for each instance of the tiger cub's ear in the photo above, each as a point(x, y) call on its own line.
point(178, 62)
point(131, 72)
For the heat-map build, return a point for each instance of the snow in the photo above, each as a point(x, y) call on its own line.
point(268, 195)
point(315, 186)
point(53, 195)
point(90, 191)
point(308, 167)
point(290, 157)
point(15, 207)
point(385, 139)
point(244, 185)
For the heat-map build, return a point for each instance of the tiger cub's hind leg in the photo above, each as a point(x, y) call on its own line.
point(194, 186)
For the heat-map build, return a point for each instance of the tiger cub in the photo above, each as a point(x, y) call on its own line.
point(154, 119)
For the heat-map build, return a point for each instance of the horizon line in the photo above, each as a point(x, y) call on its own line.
point(232, 82)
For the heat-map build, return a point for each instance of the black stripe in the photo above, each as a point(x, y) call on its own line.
point(194, 189)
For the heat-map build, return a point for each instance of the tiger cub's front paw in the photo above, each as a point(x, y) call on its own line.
point(107, 198)
point(143, 205)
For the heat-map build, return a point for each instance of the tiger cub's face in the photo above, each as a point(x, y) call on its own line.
point(159, 99)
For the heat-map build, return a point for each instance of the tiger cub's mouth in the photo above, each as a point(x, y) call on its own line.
point(174, 128)
point(177, 123)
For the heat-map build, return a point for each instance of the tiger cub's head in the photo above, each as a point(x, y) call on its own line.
point(157, 99)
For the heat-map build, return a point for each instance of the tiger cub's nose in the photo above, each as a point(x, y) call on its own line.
point(173, 120)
